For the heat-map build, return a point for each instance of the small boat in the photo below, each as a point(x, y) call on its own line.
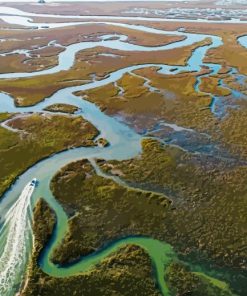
point(34, 182)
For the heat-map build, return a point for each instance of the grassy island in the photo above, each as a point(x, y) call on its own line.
point(64, 108)
point(45, 134)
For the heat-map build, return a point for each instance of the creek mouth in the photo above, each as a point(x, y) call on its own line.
point(125, 143)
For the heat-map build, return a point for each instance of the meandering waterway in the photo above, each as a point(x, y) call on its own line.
point(125, 143)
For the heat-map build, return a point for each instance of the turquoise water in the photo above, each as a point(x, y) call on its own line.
point(125, 144)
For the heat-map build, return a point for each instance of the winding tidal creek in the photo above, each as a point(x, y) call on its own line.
point(125, 143)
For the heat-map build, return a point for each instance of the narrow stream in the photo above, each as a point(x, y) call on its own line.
point(125, 144)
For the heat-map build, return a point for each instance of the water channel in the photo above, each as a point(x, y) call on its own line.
point(124, 142)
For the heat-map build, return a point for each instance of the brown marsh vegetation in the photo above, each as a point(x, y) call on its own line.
point(65, 108)
point(87, 63)
point(44, 56)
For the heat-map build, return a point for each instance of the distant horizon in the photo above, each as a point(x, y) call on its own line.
point(58, 1)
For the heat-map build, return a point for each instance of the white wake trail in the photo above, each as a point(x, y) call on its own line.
point(15, 234)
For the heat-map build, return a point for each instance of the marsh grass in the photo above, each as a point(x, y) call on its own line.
point(39, 137)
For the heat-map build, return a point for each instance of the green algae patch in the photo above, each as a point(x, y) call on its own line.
point(219, 284)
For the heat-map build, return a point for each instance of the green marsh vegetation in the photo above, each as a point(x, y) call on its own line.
point(101, 210)
point(207, 195)
point(5, 116)
point(177, 103)
point(233, 131)
point(127, 271)
point(207, 220)
point(45, 134)
point(182, 281)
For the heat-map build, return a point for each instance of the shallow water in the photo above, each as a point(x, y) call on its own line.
point(243, 41)
point(125, 144)
point(66, 58)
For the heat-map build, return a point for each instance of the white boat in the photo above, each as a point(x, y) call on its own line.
point(34, 182)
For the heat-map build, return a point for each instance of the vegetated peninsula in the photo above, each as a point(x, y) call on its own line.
point(123, 148)
point(45, 134)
